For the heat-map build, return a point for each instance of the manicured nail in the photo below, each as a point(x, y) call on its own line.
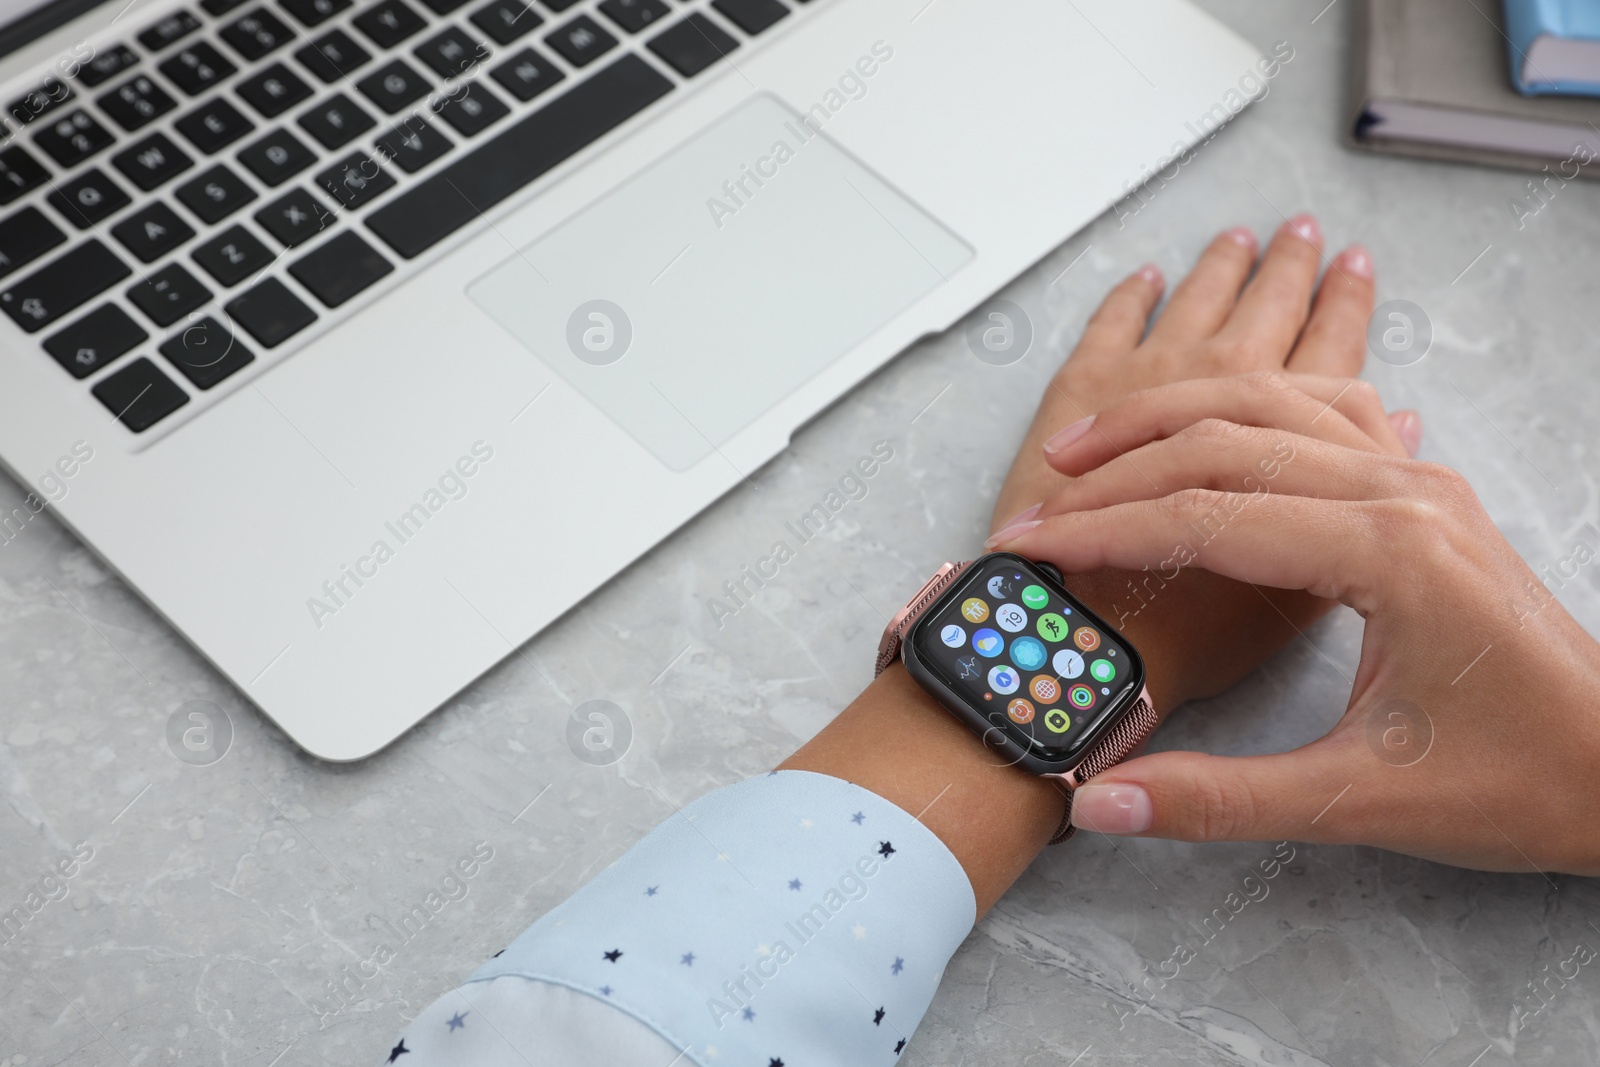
point(1067, 435)
point(1151, 273)
point(1022, 516)
point(1112, 808)
point(1408, 424)
point(1305, 227)
point(1356, 261)
point(1241, 236)
point(1016, 529)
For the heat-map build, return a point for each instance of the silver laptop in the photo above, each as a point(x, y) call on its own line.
point(366, 338)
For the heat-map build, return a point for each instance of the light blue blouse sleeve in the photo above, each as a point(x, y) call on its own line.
point(792, 918)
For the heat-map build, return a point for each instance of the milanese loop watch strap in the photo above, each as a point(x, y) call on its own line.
point(1113, 748)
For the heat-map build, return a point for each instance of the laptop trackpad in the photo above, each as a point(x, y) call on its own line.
point(708, 287)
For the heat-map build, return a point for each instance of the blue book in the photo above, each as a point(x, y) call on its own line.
point(1554, 46)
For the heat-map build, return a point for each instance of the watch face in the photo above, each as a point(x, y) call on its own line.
point(1028, 658)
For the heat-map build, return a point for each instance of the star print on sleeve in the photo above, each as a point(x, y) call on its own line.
point(650, 890)
point(398, 1051)
point(748, 1015)
point(458, 1021)
point(614, 955)
point(774, 1062)
point(898, 1045)
point(688, 959)
point(885, 849)
point(877, 1017)
point(859, 817)
point(897, 966)
point(794, 883)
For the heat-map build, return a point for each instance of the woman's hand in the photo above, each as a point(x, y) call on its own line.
point(1472, 735)
point(1221, 320)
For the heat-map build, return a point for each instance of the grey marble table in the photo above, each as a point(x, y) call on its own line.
point(221, 906)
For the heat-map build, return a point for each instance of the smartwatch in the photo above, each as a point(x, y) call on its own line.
point(1041, 679)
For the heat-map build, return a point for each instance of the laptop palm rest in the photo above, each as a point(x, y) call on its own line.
point(705, 289)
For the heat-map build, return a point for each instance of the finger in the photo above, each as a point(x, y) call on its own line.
point(1335, 338)
point(1202, 301)
point(1118, 324)
point(1194, 797)
point(1408, 426)
point(1229, 458)
point(1338, 550)
point(1341, 410)
point(1274, 305)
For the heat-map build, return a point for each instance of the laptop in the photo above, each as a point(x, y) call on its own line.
point(364, 338)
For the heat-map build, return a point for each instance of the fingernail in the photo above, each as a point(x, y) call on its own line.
point(1112, 808)
point(1241, 236)
point(1356, 260)
point(1306, 228)
point(1016, 529)
point(1022, 516)
point(1067, 434)
point(1151, 273)
point(1408, 424)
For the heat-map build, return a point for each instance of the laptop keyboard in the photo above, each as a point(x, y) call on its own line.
point(222, 182)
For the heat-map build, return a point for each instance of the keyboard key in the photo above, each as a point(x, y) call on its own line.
point(692, 45)
point(393, 86)
point(20, 174)
point(389, 23)
point(63, 284)
point(95, 340)
point(581, 41)
point(40, 102)
point(221, 7)
point(214, 126)
point(140, 395)
point(152, 232)
point(295, 218)
point(256, 34)
point(169, 294)
point(270, 313)
point(412, 145)
point(273, 91)
point(197, 67)
point(355, 181)
point(559, 5)
point(634, 15)
point(169, 31)
point(232, 256)
point(506, 20)
point(315, 12)
point(436, 207)
point(751, 16)
point(277, 157)
point(215, 195)
point(452, 53)
point(207, 352)
point(340, 269)
point(107, 64)
point(336, 121)
point(444, 7)
point(73, 138)
point(332, 56)
point(89, 199)
point(472, 109)
point(24, 237)
point(526, 74)
point(137, 103)
point(152, 161)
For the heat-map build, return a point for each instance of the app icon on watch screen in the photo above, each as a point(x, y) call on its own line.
point(967, 667)
point(1052, 627)
point(1004, 679)
point(1044, 688)
point(1081, 696)
point(1003, 586)
point(1058, 721)
point(953, 636)
point(1068, 663)
point(1102, 670)
point(1086, 639)
point(988, 642)
point(1011, 618)
point(1028, 653)
point(974, 610)
point(1035, 597)
point(1020, 710)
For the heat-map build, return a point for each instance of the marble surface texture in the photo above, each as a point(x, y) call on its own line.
point(222, 900)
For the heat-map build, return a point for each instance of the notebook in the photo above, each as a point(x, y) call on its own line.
point(1554, 46)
